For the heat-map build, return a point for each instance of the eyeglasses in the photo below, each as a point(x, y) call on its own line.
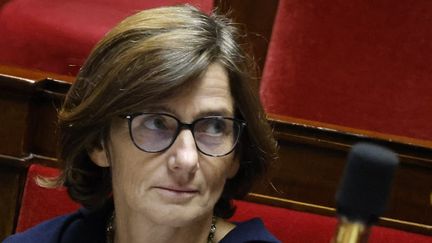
point(155, 132)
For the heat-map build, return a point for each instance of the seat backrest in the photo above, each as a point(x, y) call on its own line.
point(357, 64)
point(39, 203)
point(57, 36)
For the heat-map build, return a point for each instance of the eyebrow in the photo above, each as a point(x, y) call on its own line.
point(222, 111)
point(217, 112)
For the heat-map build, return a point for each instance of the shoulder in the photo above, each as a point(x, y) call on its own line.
point(82, 226)
point(252, 230)
point(47, 232)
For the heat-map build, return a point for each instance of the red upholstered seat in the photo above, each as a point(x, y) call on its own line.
point(358, 64)
point(288, 225)
point(300, 227)
point(38, 203)
point(57, 36)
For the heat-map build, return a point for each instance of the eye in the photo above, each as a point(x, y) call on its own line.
point(155, 122)
point(212, 126)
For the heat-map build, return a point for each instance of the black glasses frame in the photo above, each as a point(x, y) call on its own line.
point(181, 125)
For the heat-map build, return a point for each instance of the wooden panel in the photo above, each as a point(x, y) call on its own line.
point(43, 116)
point(15, 94)
point(31, 74)
point(30, 111)
point(12, 177)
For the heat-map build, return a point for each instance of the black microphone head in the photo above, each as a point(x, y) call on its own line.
point(366, 182)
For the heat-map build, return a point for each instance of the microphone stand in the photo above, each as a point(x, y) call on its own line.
point(351, 232)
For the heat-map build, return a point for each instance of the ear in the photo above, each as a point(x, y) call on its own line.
point(232, 171)
point(99, 156)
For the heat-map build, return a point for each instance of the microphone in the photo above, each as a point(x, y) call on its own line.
point(363, 192)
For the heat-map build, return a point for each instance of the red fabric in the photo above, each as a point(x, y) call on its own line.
point(360, 64)
point(57, 36)
point(288, 225)
point(38, 203)
point(300, 227)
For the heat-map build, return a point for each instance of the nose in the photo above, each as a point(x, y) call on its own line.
point(184, 158)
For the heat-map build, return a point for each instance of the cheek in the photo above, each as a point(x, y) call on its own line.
point(218, 171)
point(132, 171)
point(125, 178)
point(131, 183)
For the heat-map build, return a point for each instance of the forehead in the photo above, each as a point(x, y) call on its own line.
point(210, 94)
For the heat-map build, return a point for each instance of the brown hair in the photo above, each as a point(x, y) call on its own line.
point(150, 55)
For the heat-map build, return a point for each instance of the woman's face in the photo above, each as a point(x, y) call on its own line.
point(179, 185)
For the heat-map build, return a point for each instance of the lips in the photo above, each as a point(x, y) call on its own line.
point(176, 195)
point(177, 189)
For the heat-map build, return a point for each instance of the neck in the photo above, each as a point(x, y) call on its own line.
point(135, 228)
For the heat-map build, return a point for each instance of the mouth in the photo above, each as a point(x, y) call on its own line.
point(176, 194)
point(177, 190)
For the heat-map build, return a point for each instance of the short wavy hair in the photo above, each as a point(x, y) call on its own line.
point(149, 55)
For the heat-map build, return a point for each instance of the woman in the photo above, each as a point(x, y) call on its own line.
point(160, 131)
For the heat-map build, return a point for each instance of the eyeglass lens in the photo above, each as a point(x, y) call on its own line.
point(215, 136)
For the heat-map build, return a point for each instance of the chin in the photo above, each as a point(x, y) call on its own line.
point(177, 216)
